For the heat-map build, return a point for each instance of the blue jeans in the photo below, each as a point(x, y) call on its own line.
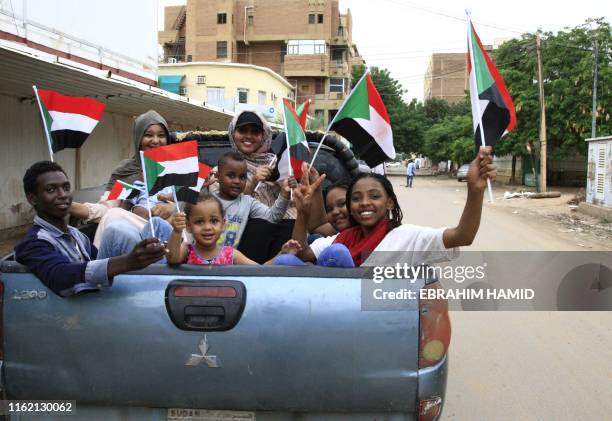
point(121, 236)
point(334, 256)
point(409, 180)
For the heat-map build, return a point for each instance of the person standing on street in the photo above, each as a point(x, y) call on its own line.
point(410, 172)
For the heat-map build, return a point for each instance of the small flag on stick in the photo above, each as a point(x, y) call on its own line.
point(123, 191)
point(172, 165)
point(68, 120)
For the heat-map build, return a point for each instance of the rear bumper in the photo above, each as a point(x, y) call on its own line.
point(432, 381)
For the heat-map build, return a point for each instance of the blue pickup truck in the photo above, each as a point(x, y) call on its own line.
point(223, 343)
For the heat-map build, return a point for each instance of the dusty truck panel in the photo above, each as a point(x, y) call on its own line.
point(300, 345)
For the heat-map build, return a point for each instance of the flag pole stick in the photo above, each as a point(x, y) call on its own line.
point(290, 173)
point(333, 119)
point(144, 173)
point(178, 209)
point(42, 115)
point(477, 102)
point(272, 162)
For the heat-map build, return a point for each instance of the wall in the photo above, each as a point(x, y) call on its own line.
point(504, 169)
point(23, 136)
point(230, 77)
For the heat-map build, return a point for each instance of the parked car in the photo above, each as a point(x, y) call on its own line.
point(462, 172)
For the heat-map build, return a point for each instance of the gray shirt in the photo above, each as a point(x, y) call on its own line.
point(239, 210)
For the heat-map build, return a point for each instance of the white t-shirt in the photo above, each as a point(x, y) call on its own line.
point(412, 243)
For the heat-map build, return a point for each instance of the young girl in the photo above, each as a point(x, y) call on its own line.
point(205, 221)
point(376, 221)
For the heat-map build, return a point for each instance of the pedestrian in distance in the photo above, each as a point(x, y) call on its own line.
point(410, 173)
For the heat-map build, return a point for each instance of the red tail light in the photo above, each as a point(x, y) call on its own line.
point(205, 292)
point(430, 409)
point(435, 328)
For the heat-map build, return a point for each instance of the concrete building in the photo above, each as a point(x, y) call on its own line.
point(33, 53)
point(446, 77)
point(308, 42)
point(229, 86)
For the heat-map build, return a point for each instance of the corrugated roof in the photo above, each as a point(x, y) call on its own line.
point(23, 67)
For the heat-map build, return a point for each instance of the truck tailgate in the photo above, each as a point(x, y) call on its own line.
point(302, 344)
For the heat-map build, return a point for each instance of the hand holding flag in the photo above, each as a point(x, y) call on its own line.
point(493, 113)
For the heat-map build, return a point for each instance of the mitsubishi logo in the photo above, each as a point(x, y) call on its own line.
point(211, 360)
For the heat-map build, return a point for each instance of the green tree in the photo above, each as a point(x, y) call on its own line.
point(406, 119)
point(568, 59)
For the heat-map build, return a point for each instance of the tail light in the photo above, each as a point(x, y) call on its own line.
point(435, 326)
point(430, 409)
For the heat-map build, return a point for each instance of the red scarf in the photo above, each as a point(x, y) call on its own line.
point(360, 245)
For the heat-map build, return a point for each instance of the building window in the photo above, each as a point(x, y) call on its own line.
point(336, 84)
point(261, 97)
point(201, 80)
point(311, 18)
point(306, 46)
point(283, 52)
point(221, 49)
point(215, 96)
point(319, 86)
point(243, 95)
point(340, 31)
point(273, 97)
point(182, 91)
point(337, 55)
point(221, 18)
point(189, 58)
point(251, 20)
point(319, 18)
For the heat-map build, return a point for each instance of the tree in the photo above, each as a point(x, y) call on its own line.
point(406, 119)
point(568, 76)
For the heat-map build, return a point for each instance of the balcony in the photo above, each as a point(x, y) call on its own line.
point(306, 65)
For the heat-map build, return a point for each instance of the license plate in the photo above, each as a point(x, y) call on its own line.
point(185, 414)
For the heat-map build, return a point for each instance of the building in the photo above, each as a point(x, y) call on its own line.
point(229, 86)
point(446, 77)
point(43, 52)
point(308, 42)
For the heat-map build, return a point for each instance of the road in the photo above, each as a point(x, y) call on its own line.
point(517, 365)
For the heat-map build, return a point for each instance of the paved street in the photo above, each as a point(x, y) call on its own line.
point(518, 365)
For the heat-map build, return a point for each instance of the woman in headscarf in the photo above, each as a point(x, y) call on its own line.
point(150, 131)
point(250, 135)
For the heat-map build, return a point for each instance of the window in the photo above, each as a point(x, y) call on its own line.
point(340, 31)
point(189, 58)
point(215, 96)
point(201, 80)
point(319, 18)
point(337, 55)
point(261, 97)
point(250, 20)
point(336, 84)
point(283, 53)
point(306, 46)
point(311, 18)
point(243, 95)
point(319, 86)
point(221, 18)
point(221, 49)
point(182, 91)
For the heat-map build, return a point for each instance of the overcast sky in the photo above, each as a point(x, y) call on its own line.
point(401, 35)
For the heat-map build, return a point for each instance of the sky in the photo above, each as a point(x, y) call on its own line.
point(401, 35)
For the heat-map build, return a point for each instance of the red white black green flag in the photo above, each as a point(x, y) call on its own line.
point(172, 165)
point(492, 106)
point(294, 150)
point(68, 120)
point(363, 120)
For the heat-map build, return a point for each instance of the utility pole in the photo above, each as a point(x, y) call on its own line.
point(542, 115)
point(594, 112)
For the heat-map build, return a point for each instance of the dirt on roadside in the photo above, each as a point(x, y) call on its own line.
point(562, 212)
